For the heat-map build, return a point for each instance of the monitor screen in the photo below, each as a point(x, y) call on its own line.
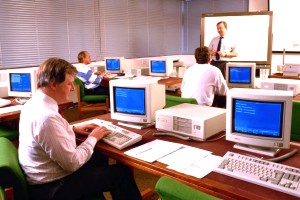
point(20, 82)
point(113, 64)
point(259, 120)
point(245, 112)
point(240, 75)
point(158, 66)
point(130, 100)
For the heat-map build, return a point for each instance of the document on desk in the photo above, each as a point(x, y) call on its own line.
point(153, 150)
point(192, 161)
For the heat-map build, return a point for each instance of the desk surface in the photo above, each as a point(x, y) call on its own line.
point(214, 183)
point(15, 115)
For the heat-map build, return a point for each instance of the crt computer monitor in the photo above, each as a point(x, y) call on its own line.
point(259, 120)
point(162, 67)
point(135, 101)
point(22, 82)
point(114, 64)
point(240, 75)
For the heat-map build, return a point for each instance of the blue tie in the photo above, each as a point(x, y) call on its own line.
point(218, 49)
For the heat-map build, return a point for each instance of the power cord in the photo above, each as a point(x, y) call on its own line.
point(283, 157)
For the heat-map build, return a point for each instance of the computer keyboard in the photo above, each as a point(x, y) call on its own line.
point(119, 137)
point(4, 102)
point(108, 75)
point(261, 172)
point(10, 109)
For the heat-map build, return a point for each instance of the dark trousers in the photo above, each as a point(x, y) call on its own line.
point(221, 65)
point(91, 180)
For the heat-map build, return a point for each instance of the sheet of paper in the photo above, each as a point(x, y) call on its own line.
point(153, 150)
point(184, 156)
point(201, 168)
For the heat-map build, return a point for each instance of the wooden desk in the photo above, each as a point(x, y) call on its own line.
point(170, 81)
point(280, 75)
point(214, 183)
point(15, 115)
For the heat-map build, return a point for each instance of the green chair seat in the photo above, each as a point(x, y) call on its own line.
point(175, 100)
point(94, 98)
point(9, 133)
point(170, 189)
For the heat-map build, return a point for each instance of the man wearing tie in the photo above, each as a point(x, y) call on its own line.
point(222, 48)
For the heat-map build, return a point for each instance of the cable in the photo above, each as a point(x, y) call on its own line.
point(283, 157)
point(172, 134)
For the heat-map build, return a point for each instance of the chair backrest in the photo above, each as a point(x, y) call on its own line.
point(175, 100)
point(11, 174)
point(295, 128)
point(168, 188)
point(81, 86)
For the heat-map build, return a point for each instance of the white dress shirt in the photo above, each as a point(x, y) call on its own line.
point(227, 45)
point(202, 81)
point(47, 148)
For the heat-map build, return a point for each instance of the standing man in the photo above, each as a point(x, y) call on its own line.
point(202, 80)
point(56, 168)
point(222, 48)
point(94, 82)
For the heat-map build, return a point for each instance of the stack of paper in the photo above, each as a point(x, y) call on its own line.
point(185, 159)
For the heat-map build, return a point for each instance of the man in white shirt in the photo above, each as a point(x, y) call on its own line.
point(55, 166)
point(222, 48)
point(94, 82)
point(202, 80)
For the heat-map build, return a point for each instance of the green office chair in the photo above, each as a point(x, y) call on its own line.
point(9, 133)
point(90, 102)
point(295, 127)
point(2, 193)
point(170, 189)
point(175, 100)
point(11, 174)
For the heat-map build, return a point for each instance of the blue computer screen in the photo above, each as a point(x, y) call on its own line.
point(258, 118)
point(240, 75)
point(158, 66)
point(113, 64)
point(130, 100)
point(20, 82)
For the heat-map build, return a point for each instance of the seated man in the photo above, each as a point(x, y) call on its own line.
point(202, 80)
point(94, 83)
point(54, 165)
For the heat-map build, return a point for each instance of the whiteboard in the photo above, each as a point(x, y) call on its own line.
point(252, 32)
point(286, 30)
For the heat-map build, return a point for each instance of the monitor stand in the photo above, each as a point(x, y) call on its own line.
point(259, 150)
point(136, 125)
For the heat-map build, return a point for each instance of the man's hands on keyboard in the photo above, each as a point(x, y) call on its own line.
point(117, 137)
point(91, 129)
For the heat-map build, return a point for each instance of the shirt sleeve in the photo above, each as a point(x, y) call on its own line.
point(58, 140)
point(222, 85)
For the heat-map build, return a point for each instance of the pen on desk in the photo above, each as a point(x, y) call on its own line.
point(143, 151)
